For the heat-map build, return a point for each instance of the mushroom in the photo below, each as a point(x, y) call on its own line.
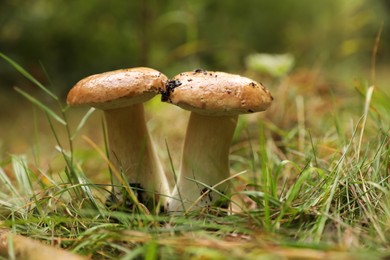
point(215, 100)
point(121, 94)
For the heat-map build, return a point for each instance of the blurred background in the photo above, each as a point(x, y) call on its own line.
point(61, 41)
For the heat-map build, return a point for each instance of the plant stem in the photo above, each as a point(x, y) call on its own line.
point(205, 159)
point(132, 150)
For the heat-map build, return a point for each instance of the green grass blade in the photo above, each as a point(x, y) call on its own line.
point(7, 184)
point(257, 195)
point(83, 121)
point(28, 76)
point(266, 179)
point(294, 191)
point(19, 165)
point(86, 188)
point(107, 150)
point(175, 178)
point(41, 106)
point(151, 251)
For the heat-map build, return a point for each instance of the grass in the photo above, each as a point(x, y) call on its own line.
point(316, 185)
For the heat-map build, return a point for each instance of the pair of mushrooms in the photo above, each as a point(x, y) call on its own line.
point(215, 100)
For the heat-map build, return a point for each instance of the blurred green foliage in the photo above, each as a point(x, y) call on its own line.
point(70, 39)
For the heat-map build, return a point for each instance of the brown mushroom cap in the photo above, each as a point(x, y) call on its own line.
point(117, 88)
point(217, 93)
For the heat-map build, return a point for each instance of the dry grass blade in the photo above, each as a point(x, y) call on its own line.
point(233, 246)
point(366, 109)
point(19, 247)
point(213, 188)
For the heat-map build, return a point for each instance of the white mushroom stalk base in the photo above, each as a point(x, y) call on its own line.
point(133, 154)
point(205, 160)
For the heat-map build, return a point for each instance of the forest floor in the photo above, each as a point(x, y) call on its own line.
point(314, 184)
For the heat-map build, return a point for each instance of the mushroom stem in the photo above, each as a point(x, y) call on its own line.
point(205, 159)
point(132, 151)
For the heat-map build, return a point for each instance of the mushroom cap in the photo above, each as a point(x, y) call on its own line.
point(217, 93)
point(118, 88)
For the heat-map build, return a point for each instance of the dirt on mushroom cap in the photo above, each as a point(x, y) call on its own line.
point(218, 93)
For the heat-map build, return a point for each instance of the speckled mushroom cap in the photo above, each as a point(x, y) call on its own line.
point(217, 93)
point(117, 88)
